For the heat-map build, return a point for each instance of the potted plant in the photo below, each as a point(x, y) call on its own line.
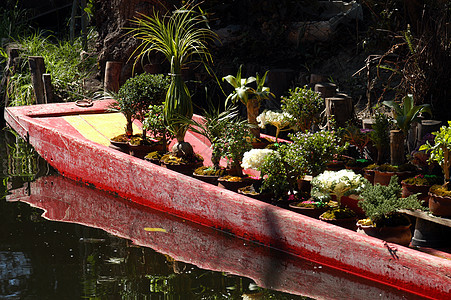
point(368, 172)
point(310, 152)
point(439, 151)
point(420, 185)
point(311, 207)
point(358, 138)
point(404, 115)
point(155, 124)
point(212, 127)
point(249, 96)
point(254, 159)
point(384, 172)
point(344, 186)
point(280, 120)
point(140, 92)
point(232, 144)
point(285, 169)
point(304, 106)
point(180, 37)
point(380, 136)
point(381, 205)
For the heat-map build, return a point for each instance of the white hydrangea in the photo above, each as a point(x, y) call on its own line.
point(254, 158)
point(278, 119)
point(338, 183)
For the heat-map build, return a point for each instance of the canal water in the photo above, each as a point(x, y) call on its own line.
point(60, 239)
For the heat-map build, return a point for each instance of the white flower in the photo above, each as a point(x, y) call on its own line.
point(254, 158)
point(339, 183)
point(277, 119)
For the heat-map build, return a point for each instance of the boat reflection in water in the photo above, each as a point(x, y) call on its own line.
point(67, 201)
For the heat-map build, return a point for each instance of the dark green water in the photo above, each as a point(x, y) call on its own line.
point(62, 240)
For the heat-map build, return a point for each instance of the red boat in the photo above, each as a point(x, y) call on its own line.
point(65, 200)
point(72, 140)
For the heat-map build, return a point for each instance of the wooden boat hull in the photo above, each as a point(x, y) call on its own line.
point(80, 159)
point(65, 200)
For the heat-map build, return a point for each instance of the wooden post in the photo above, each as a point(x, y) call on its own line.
point(397, 147)
point(340, 108)
point(37, 68)
point(13, 53)
point(48, 88)
point(327, 90)
point(112, 74)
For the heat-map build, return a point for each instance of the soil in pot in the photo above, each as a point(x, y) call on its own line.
point(140, 148)
point(420, 184)
point(209, 174)
point(154, 157)
point(309, 208)
point(184, 165)
point(233, 183)
point(342, 217)
point(250, 191)
point(120, 143)
point(440, 201)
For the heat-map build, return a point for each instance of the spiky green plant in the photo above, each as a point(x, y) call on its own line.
point(182, 39)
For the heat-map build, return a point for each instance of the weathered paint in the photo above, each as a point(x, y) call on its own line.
point(163, 189)
point(65, 200)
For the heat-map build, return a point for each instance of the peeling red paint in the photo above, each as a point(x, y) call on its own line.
point(166, 190)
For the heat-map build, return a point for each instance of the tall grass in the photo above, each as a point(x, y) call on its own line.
point(67, 63)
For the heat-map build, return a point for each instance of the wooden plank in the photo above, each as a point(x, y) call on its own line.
point(427, 216)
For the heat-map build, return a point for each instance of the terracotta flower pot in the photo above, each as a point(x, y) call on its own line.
point(399, 234)
point(410, 189)
point(383, 178)
point(351, 202)
point(440, 206)
point(212, 179)
point(369, 175)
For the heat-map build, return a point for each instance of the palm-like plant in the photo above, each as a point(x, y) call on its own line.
point(407, 113)
point(213, 126)
point(249, 96)
point(180, 37)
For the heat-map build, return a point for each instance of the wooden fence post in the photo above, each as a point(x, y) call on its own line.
point(13, 53)
point(48, 88)
point(37, 68)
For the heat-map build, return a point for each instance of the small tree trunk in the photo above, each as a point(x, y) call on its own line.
point(253, 107)
point(397, 147)
point(235, 169)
